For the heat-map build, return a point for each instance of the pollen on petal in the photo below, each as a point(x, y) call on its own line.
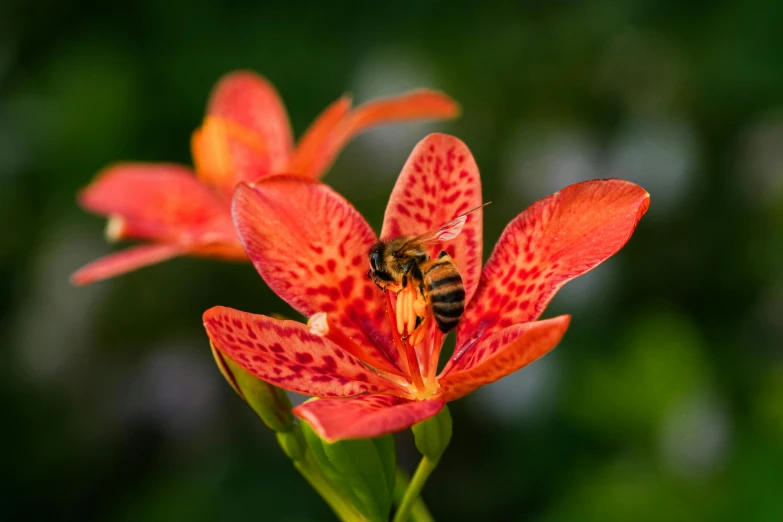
point(115, 228)
point(319, 324)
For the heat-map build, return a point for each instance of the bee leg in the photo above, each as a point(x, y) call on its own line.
point(442, 253)
point(410, 265)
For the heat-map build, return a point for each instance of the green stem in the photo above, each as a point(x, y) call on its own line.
point(423, 471)
point(419, 511)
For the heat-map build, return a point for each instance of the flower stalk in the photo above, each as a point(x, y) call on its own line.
point(418, 511)
point(409, 500)
point(432, 437)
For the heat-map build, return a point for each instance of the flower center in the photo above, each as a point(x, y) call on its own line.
point(412, 317)
point(414, 341)
point(417, 343)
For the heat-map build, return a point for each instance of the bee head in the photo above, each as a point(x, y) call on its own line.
point(376, 257)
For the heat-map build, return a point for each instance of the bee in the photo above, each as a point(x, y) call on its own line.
point(425, 287)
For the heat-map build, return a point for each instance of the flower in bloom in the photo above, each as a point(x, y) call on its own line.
point(245, 137)
point(311, 248)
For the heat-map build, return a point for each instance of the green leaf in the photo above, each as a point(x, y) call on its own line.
point(363, 470)
point(269, 402)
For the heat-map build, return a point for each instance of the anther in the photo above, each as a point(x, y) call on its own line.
point(319, 324)
point(115, 228)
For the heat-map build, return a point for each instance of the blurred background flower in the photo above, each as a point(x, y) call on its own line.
point(665, 399)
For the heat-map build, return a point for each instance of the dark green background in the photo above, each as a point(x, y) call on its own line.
point(663, 402)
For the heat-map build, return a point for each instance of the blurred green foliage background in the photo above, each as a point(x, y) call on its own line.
point(663, 402)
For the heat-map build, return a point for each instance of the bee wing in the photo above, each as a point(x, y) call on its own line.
point(447, 231)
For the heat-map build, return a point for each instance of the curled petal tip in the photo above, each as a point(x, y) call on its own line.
point(124, 261)
point(346, 99)
point(644, 206)
point(442, 104)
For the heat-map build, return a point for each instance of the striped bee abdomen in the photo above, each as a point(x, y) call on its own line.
point(444, 290)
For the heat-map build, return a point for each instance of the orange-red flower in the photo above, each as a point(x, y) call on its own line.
point(245, 137)
point(311, 248)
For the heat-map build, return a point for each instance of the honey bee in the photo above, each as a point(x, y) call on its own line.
point(425, 287)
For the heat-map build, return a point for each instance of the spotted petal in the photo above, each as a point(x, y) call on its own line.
point(414, 105)
point(122, 262)
point(440, 181)
point(555, 240)
point(500, 354)
point(158, 201)
point(286, 354)
point(310, 246)
point(365, 416)
point(252, 117)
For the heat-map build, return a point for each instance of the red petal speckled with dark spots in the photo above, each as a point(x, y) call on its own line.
point(159, 201)
point(310, 246)
point(440, 181)
point(125, 261)
point(250, 100)
point(555, 240)
point(502, 353)
point(286, 354)
point(365, 416)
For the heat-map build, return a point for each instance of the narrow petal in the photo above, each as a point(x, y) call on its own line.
point(251, 101)
point(309, 157)
point(500, 354)
point(411, 106)
point(158, 201)
point(439, 182)
point(555, 240)
point(286, 354)
point(125, 261)
point(310, 246)
point(365, 416)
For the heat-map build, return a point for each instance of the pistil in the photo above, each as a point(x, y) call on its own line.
point(436, 344)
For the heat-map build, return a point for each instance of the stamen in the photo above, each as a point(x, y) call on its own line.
point(115, 228)
point(319, 324)
point(406, 350)
point(406, 311)
point(437, 344)
point(411, 316)
point(413, 364)
point(401, 313)
point(418, 335)
point(395, 335)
